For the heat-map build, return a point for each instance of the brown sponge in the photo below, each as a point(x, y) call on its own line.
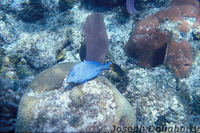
point(179, 58)
point(148, 45)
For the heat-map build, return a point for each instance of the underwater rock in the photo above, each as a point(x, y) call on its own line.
point(93, 106)
point(106, 3)
point(2, 42)
point(2, 55)
point(183, 2)
point(9, 100)
point(44, 48)
point(66, 4)
point(61, 55)
point(111, 2)
point(15, 58)
point(23, 71)
point(4, 82)
point(32, 11)
point(154, 94)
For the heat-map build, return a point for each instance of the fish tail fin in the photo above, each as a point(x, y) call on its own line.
point(105, 66)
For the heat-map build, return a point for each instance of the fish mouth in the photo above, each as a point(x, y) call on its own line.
point(68, 80)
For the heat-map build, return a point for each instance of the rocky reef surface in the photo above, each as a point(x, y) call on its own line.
point(32, 44)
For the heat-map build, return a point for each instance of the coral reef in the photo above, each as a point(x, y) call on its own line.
point(14, 58)
point(61, 55)
point(110, 2)
point(105, 3)
point(4, 82)
point(148, 43)
point(183, 2)
point(160, 99)
point(13, 82)
point(42, 53)
point(9, 101)
point(32, 11)
point(15, 68)
point(157, 96)
point(39, 42)
point(2, 55)
point(8, 68)
point(66, 4)
point(2, 42)
point(93, 106)
point(23, 71)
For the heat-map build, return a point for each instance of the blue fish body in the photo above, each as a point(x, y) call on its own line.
point(85, 71)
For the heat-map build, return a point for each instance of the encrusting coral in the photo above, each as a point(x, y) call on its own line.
point(148, 45)
point(93, 106)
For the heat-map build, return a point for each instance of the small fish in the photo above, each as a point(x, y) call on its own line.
point(85, 71)
point(117, 69)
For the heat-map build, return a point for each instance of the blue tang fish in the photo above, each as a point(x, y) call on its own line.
point(85, 71)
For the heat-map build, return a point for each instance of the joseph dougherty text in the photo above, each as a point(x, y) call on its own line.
point(151, 128)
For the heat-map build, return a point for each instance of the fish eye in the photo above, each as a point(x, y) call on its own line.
point(73, 73)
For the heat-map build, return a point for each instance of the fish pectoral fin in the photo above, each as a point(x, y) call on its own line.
point(94, 75)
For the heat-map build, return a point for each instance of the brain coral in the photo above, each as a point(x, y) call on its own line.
point(93, 106)
point(148, 44)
